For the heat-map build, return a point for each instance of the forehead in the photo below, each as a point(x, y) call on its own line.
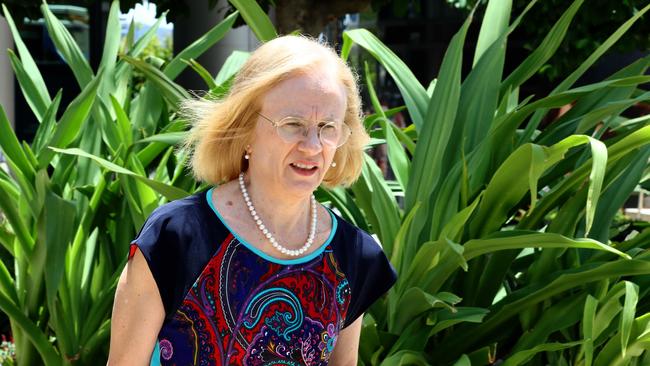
point(315, 95)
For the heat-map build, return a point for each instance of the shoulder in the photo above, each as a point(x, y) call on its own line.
point(358, 253)
point(180, 208)
point(179, 215)
point(351, 239)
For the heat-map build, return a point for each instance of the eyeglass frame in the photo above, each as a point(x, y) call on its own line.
point(277, 124)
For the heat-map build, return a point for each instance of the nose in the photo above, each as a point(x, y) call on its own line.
point(311, 142)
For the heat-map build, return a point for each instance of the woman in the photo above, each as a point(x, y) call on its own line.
point(254, 271)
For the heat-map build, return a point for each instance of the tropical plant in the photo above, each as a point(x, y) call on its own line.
point(69, 220)
point(506, 247)
point(591, 26)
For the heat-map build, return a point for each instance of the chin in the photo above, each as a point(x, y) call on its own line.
point(304, 186)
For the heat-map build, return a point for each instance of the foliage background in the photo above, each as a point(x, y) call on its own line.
point(503, 230)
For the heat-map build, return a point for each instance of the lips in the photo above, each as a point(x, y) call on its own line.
point(304, 169)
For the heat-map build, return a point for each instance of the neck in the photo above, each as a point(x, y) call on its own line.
point(286, 216)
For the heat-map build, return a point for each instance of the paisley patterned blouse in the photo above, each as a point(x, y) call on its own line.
point(227, 303)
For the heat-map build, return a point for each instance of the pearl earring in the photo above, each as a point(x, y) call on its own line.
point(333, 164)
point(247, 156)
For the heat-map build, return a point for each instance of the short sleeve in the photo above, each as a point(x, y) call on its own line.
point(369, 273)
point(160, 245)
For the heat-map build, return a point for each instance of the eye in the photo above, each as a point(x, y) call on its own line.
point(292, 122)
point(328, 127)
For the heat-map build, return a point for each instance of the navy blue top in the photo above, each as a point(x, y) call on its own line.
point(217, 289)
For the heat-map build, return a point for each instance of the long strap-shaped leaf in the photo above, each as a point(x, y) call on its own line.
point(69, 127)
point(518, 240)
point(566, 281)
point(11, 147)
point(69, 49)
point(35, 335)
point(414, 94)
point(9, 206)
point(440, 116)
point(39, 99)
point(256, 19)
point(170, 192)
point(173, 92)
point(635, 140)
point(575, 75)
point(543, 52)
point(495, 23)
point(198, 47)
point(111, 47)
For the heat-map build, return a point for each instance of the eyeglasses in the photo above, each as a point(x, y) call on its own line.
point(293, 129)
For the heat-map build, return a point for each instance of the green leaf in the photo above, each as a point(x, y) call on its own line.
point(383, 204)
point(588, 328)
point(412, 91)
point(44, 132)
point(543, 52)
point(231, 66)
point(475, 117)
point(135, 49)
point(415, 302)
point(575, 75)
point(405, 357)
point(520, 358)
point(463, 361)
point(173, 92)
point(610, 354)
point(516, 239)
point(396, 155)
point(31, 331)
point(112, 41)
point(198, 47)
point(38, 98)
point(434, 263)
point(7, 283)
point(123, 123)
point(9, 204)
point(568, 280)
point(170, 192)
point(455, 226)
point(68, 48)
point(628, 315)
point(436, 128)
point(557, 316)
point(55, 232)
point(11, 147)
point(397, 256)
point(32, 95)
point(70, 125)
point(256, 19)
point(495, 24)
point(169, 138)
point(619, 190)
point(634, 140)
point(444, 319)
point(202, 72)
point(110, 131)
point(599, 162)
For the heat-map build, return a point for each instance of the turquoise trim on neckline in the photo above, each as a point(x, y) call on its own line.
point(269, 258)
point(155, 355)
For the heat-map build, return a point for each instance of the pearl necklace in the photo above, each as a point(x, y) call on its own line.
point(265, 231)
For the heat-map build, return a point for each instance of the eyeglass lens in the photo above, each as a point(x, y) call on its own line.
point(292, 129)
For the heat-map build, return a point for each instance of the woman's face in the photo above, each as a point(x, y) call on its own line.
point(314, 98)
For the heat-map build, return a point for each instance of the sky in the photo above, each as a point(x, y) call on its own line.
point(145, 14)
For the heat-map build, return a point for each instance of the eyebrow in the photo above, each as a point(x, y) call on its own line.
point(298, 115)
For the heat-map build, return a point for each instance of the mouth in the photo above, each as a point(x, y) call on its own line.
point(304, 169)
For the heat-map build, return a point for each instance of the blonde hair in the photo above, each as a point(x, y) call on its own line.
point(221, 128)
